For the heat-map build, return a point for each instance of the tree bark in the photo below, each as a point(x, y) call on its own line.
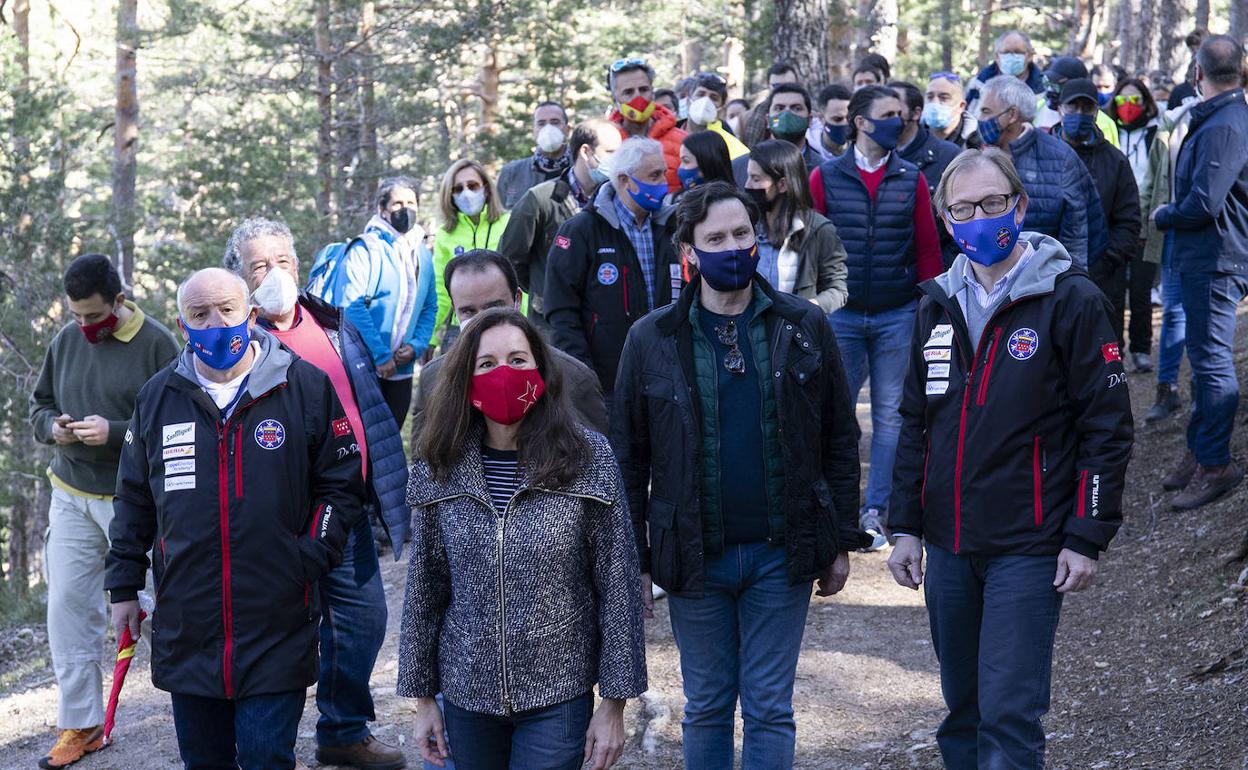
point(1171, 18)
point(800, 37)
point(126, 138)
point(1202, 15)
point(985, 33)
point(946, 35)
point(324, 103)
point(877, 30)
point(1238, 26)
point(1122, 47)
point(369, 165)
point(1146, 37)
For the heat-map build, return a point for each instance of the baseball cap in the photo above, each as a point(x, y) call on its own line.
point(1078, 88)
point(1064, 68)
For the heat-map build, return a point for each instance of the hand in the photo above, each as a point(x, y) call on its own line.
point(92, 430)
point(906, 562)
point(647, 596)
point(604, 740)
point(431, 732)
point(126, 615)
point(386, 369)
point(833, 579)
point(1152, 217)
point(62, 434)
point(1074, 572)
point(404, 355)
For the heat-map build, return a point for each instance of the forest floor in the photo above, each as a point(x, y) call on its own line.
point(1150, 670)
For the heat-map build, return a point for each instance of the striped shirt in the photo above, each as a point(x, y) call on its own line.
point(502, 475)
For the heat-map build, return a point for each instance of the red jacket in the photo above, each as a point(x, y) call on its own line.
point(664, 131)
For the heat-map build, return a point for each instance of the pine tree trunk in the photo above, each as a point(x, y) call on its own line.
point(369, 165)
point(1171, 26)
point(801, 37)
point(946, 35)
point(985, 34)
point(877, 29)
point(126, 137)
point(1146, 37)
point(1238, 26)
point(1124, 49)
point(325, 106)
point(491, 75)
point(1202, 14)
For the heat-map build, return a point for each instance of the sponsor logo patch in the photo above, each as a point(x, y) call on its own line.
point(938, 371)
point(342, 427)
point(941, 336)
point(459, 250)
point(938, 354)
point(937, 387)
point(236, 344)
point(563, 241)
point(174, 467)
point(175, 483)
point(179, 433)
point(1023, 344)
point(608, 274)
point(129, 436)
point(1114, 380)
point(185, 450)
point(1110, 352)
point(1003, 237)
point(270, 434)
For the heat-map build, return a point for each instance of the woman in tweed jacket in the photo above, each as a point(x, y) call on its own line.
point(523, 587)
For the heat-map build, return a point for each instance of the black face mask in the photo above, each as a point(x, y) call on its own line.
point(759, 197)
point(403, 220)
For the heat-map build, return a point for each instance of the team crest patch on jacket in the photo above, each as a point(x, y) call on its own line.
point(1023, 344)
point(608, 274)
point(270, 434)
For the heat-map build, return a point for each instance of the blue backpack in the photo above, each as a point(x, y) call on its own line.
point(325, 278)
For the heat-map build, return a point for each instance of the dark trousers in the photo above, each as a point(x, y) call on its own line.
point(1140, 275)
point(353, 626)
point(550, 738)
point(993, 623)
point(398, 396)
point(1209, 301)
point(1113, 284)
point(253, 733)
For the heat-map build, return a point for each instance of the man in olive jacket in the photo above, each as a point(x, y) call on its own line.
point(734, 430)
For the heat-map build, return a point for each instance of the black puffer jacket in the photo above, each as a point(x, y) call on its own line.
point(656, 428)
point(528, 609)
point(242, 517)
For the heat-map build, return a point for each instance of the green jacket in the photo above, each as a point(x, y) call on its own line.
point(1155, 192)
point(705, 368)
point(466, 236)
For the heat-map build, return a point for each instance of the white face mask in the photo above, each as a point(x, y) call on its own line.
point(470, 202)
point(734, 123)
point(549, 139)
point(277, 294)
point(703, 111)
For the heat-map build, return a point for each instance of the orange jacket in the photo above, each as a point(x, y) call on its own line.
point(664, 131)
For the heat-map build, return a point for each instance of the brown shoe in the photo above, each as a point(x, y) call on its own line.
point(1180, 477)
point(73, 745)
point(1209, 483)
point(368, 754)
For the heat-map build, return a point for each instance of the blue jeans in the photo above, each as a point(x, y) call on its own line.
point(993, 622)
point(877, 344)
point(551, 738)
point(1173, 320)
point(255, 733)
point(741, 639)
point(1209, 300)
point(353, 626)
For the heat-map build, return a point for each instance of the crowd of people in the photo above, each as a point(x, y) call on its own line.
point(632, 363)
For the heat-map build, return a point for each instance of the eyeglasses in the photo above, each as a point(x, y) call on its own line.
point(1122, 99)
point(624, 64)
point(952, 77)
point(992, 206)
point(734, 362)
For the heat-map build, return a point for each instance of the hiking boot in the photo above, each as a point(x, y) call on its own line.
point(368, 754)
point(1209, 483)
point(1142, 362)
point(73, 745)
point(1181, 476)
point(1167, 404)
point(869, 522)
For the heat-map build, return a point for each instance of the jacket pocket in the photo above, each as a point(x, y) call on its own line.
point(664, 549)
point(1037, 479)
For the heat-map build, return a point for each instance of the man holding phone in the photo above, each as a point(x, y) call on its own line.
point(81, 405)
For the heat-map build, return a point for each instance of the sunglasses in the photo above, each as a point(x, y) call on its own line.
point(1121, 99)
point(950, 76)
point(734, 362)
point(627, 63)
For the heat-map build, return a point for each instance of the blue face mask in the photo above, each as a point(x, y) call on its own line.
point(837, 133)
point(988, 241)
point(1078, 126)
point(689, 177)
point(886, 132)
point(937, 115)
point(648, 196)
point(730, 270)
point(1013, 63)
point(220, 347)
point(1102, 99)
point(990, 129)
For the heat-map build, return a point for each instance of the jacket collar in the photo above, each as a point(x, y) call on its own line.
point(467, 479)
point(269, 371)
point(1039, 276)
point(670, 319)
point(327, 315)
point(1204, 109)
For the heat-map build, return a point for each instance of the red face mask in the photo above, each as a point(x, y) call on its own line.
point(505, 395)
point(100, 330)
point(639, 110)
point(1129, 113)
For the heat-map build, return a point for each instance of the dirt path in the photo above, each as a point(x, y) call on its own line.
point(867, 692)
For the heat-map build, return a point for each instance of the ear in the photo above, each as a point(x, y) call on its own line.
point(120, 299)
point(688, 254)
point(186, 337)
point(518, 299)
point(1020, 210)
point(782, 185)
point(944, 220)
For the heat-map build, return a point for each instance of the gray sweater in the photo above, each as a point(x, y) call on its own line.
point(81, 379)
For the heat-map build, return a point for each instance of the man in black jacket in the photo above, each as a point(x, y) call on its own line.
point(1014, 445)
point(240, 472)
point(1209, 218)
point(613, 262)
point(544, 208)
point(738, 444)
point(1115, 183)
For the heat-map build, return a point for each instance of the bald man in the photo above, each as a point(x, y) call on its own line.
point(240, 472)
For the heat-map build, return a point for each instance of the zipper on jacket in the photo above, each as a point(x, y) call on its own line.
point(593, 324)
point(1037, 484)
point(983, 378)
point(227, 605)
point(624, 283)
point(237, 452)
point(927, 455)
